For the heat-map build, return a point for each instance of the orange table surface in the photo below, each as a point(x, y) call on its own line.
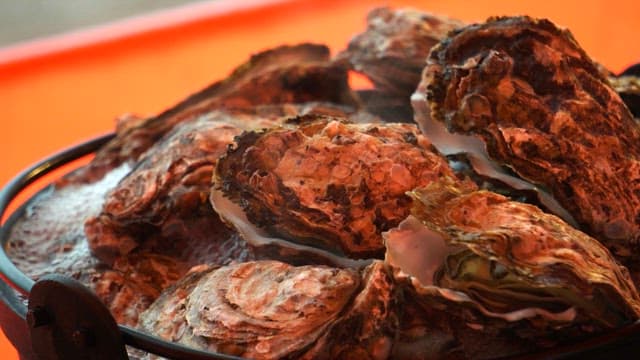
point(61, 91)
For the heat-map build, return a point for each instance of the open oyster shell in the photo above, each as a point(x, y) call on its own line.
point(272, 310)
point(501, 264)
point(326, 184)
point(524, 93)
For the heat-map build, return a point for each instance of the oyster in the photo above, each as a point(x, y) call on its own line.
point(524, 93)
point(272, 310)
point(326, 184)
point(308, 179)
point(162, 203)
point(132, 284)
point(500, 264)
point(43, 242)
point(165, 195)
point(393, 49)
point(286, 74)
point(391, 52)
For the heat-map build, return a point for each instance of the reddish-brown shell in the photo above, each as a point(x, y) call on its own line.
point(282, 75)
point(329, 184)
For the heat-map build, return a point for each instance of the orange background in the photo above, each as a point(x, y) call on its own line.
point(58, 99)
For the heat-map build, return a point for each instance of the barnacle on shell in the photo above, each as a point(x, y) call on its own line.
point(325, 184)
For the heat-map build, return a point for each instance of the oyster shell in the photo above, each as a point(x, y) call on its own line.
point(132, 284)
point(391, 52)
point(500, 264)
point(162, 203)
point(393, 49)
point(628, 86)
point(43, 242)
point(326, 184)
point(286, 74)
point(165, 195)
point(272, 310)
point(368, 328)
point(540, 107)
point(475, 275)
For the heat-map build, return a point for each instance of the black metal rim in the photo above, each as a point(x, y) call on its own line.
point(15, 277)
point(11, 278)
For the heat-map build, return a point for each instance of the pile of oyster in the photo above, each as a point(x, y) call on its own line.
point(281, 213)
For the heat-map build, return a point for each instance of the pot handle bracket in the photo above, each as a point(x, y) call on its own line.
point(67, 321)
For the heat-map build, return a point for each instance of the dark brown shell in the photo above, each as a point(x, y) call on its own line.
point(543, 109)
point(392, 52)
point(163, 201)
point(328, 184)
